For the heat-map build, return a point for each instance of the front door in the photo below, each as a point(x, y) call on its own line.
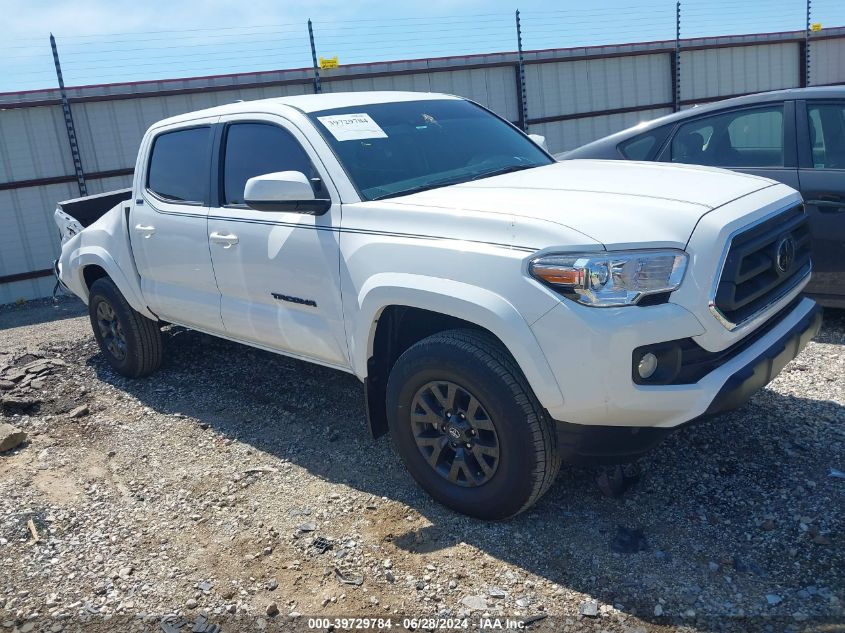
point(278, 272)
point(757, 140)
point(168, 226)
point(822, 174)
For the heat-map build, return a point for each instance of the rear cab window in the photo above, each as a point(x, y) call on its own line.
point(179, 165)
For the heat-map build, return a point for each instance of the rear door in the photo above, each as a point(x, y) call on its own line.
point(758, 140)
point(821, 136)
point(278, 272)
point(168, 222)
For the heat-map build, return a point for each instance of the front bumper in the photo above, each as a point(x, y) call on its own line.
point(609, 444)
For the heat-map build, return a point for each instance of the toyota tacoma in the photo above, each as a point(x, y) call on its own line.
point(505, 312)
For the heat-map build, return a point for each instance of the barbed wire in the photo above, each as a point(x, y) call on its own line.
point(100, 57)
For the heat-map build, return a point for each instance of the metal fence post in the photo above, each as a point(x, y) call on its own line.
point(676, 83)
point(523, 97)
point(71, 131)
point(317, 86)
point(807, 58)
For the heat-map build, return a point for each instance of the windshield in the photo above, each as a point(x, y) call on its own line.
point(392, 149)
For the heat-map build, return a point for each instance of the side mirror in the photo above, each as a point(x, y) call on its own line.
point(540, 140)
point(284, 191)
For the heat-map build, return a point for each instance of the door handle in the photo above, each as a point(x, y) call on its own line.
point(146, 230)
point(226, 240)
point(828, 205)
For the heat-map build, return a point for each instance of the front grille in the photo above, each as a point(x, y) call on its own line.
point(763, 264)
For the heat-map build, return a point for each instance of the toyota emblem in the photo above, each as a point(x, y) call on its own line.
point(785, 254)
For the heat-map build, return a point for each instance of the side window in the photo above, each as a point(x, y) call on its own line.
point(253, 149)
point(743, 138)
point(645, 145)
point(179, 164)
point(827, 135)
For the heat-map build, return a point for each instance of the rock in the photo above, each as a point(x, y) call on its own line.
point(389, 576)
point(523, 602)
point(497, 592)
point(307, 527)
point(191, 603)
point(453, 584)
point(713, 566)
point(658, 610)
point(773, 599)
point(272, 609)
point(768, 525)
point(232, 608)
point(10, 437)
point(79, 412)
point(820, 539)
point(387, 563)
point(5, 385)
point(589, 608)
point(628, 540)
point(272, 584)
point(475, 603)
point(125, 572)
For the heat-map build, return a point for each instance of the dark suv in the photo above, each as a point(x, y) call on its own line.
point(796, 136)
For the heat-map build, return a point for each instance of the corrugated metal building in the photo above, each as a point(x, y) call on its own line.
point(572, 96)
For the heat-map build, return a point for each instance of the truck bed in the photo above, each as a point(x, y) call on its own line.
point(89, 209)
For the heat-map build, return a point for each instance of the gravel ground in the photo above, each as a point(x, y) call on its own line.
point(234, 485)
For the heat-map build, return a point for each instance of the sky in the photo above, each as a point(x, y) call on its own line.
point(109, 41)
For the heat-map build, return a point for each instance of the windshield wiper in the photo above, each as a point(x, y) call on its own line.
point(501, 170)
point(453, 181)
point(410, 190)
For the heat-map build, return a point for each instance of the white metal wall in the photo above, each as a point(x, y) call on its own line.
point(564, 88)
point(493, 87)
point(739, 70)
point(32, 144)
point(574, 96)
point(827, 62)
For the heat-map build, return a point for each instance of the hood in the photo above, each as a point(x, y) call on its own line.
point(620, 204)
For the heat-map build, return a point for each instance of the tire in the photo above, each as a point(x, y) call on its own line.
point(130, 342)
point(418, 391)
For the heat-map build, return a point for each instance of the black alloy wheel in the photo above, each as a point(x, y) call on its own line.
point(111, 332)
point(455, 434)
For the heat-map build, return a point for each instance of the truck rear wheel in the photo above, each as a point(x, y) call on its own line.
point(130, 341)
point(468, 426)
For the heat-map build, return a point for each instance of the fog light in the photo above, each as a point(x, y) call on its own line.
point(647, 366)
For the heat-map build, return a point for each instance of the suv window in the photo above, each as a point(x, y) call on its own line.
point(645, 145)
point(742, 138)
point(179, 165)
point(253, 149)
point(827, 135)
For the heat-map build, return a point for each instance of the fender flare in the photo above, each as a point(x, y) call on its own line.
point(476, 305)
point(98, 256)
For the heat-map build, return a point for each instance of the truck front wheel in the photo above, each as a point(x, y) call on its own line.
point(130, 341)
point(468, 426)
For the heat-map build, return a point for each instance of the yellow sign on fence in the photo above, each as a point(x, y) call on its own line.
point(328, 62)
point(816, 26)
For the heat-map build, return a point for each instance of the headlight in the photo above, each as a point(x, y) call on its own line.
point(611, 279)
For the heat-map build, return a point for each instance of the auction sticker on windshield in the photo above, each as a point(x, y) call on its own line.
point(352, 127)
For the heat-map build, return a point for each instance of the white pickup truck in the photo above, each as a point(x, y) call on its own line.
point(505, 312)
